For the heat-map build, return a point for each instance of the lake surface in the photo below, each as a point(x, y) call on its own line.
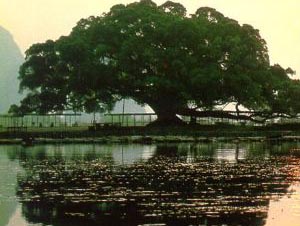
point(176, 184)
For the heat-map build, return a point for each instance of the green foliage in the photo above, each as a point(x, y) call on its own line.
point(158, 56)
point(14, 110)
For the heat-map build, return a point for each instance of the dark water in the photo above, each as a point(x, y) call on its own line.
point(176, 184)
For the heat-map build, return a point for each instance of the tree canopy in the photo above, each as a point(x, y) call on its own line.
point(160, 56)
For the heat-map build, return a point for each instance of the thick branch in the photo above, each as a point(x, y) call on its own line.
point(241, 115)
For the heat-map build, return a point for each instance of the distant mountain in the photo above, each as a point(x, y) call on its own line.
point(10, 60)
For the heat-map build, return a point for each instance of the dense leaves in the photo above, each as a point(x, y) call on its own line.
point(157, 55)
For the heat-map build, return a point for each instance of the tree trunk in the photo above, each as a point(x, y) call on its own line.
point(166, 117)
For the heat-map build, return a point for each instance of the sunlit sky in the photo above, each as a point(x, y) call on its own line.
point(32, 21)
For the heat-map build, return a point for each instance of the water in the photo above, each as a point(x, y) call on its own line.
point(176, 184)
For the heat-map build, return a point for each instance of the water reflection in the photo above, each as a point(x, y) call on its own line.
point(114, 154)
point(8, 180)
point(286, 210)
point(177, 184)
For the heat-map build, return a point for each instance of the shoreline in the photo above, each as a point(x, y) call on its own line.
point(147, 140)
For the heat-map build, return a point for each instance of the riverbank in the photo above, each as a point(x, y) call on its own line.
point(147, 140)
point(144, 135)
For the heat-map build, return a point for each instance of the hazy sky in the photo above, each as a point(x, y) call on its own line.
point(32, 21)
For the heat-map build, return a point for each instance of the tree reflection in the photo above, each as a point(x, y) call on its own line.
point(164, 189)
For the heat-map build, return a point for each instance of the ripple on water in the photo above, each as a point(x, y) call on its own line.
point(165, 190)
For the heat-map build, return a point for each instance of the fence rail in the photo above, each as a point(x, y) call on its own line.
point(123, 120)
